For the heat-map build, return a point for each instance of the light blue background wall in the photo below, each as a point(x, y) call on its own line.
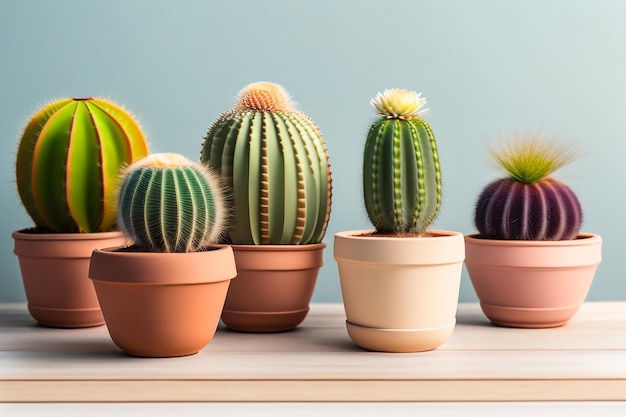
point(489, 69)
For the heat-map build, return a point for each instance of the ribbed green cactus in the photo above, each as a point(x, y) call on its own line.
point(168, 203)
point(68, 161)
point(401, 173)
point(274, 165)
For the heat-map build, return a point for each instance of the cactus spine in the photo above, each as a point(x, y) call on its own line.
point(401, 172)
point(68, 160)
point(168, 203)
point(274, 166)
point(529, 205)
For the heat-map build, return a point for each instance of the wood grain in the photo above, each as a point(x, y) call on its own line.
point(584, 360)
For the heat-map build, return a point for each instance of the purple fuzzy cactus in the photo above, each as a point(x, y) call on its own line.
point(529, 205)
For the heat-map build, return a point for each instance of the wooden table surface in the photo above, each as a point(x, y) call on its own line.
point(584, 360)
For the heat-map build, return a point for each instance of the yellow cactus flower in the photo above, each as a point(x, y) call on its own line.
point(399, 104)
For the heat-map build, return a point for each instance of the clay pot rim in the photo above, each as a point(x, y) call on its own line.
point(30, 233)
point(278, 248)
point(131, 266)
point(582, 239)
point(136, 249)
point(432, 234)
point(446, 247)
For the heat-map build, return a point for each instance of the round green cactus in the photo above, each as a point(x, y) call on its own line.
point(68, 161)
point(168, 203)
point(274, 165)
point(401, 172)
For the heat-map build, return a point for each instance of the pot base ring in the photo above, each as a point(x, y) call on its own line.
point(263, 321)
point(66, 317)
point(399, 340)
point(529, 318)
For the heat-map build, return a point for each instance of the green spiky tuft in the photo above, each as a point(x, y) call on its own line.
point(531, 159)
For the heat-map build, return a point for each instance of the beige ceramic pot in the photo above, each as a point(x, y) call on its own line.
point(54, 269)
point(273, 288)
point(162, 304)
point(532, 284)
point(399, 294)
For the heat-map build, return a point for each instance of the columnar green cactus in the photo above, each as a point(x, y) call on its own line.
point(401, 172)
point(529, 205)
point(68, 161)
point(168, 203)
point(274, 165)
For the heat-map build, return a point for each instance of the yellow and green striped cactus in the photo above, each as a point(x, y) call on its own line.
point(168, 203)
point(68, 162)
point(401, 172)
point(274, 166)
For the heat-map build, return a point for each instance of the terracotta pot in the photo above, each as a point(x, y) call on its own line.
point(400, 293)
point(531, 284)
point(273, 288)
point(162, 304)
point(54, 270)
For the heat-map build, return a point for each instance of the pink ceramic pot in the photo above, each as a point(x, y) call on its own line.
point(523, 283)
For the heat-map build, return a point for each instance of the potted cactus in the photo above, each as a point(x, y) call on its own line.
point(162, 295)
point(400, 282)
point(529, 263)
point(67, 163)
point(274, 166)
